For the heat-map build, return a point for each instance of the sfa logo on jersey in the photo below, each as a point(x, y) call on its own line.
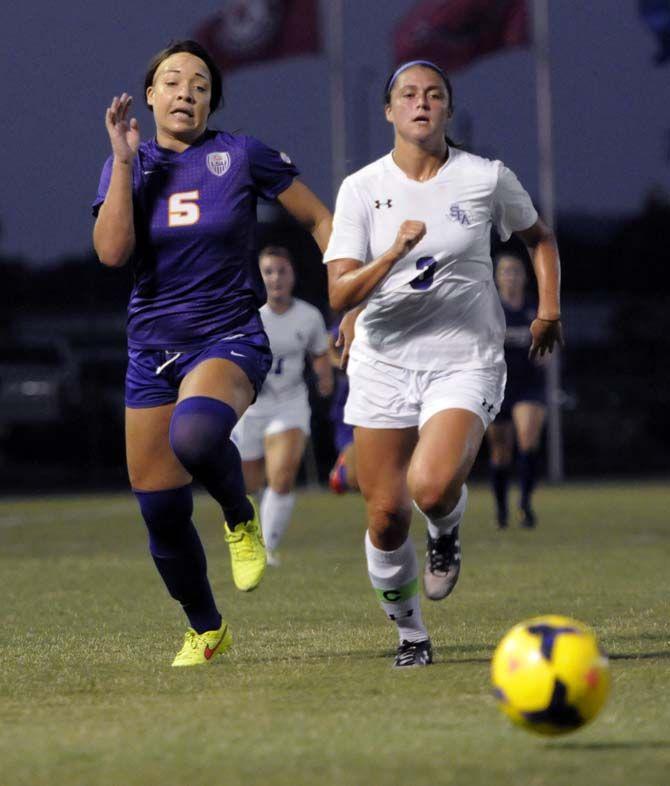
point(218, 163)
point(456, 213)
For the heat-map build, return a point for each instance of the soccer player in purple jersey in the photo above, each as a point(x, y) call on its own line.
point(522, 413)
point(182, 208)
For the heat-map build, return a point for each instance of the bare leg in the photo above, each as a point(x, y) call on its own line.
point(447, 448)
point(254, 475)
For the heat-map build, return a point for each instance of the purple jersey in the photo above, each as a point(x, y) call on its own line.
point(195, 217)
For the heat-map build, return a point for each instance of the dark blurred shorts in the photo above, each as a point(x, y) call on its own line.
point(515, 394)
point(154, 375)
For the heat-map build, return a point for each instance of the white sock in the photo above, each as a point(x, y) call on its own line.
point(444, 525)
point(276, 510)
point(394, 577)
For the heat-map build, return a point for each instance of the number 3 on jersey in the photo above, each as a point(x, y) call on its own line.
point(424, 279)
point(183, 209)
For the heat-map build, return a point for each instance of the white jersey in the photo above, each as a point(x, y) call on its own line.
point(298, 330)
point(438, 306)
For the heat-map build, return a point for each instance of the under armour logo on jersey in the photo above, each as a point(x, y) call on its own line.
point(457, 214)
point(488, 407)
point(380, 202)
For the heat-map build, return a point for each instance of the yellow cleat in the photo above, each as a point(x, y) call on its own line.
point(201, 648)
point(247, 552)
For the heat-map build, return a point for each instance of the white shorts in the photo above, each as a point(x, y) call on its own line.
point(385, 396)
point(251, 429)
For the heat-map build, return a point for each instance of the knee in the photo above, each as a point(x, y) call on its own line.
point(199, 429)
point(388, 524)
point(501, 456)
point(435, 498)
point(282, 479)
point(282, 484)
point(528, 443)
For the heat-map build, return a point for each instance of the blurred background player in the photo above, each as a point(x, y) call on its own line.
point(272, 434)
point(411, 241)
point(182, 208)
point(523, 410)
point(342, 477)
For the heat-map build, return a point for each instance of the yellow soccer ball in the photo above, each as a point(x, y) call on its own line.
point(550, 675)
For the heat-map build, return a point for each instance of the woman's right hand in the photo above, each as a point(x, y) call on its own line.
point(124, 134)
point(409, 235)
point(346, 334)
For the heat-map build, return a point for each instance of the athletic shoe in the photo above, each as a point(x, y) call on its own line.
point(337, 480)
point(501, 522)
point(413, 653)
point(443, 564)
point(247, 552)
point(527, 518)
point(273, 558)
point(201, 648)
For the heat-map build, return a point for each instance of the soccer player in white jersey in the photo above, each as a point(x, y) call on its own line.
point(411, 243)
point(271, 435)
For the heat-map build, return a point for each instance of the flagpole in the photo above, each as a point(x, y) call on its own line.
point(338, 126)
point(546, 184)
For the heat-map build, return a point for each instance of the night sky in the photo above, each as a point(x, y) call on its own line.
point(62, 63)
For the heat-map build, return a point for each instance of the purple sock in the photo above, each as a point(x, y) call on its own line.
point(526, 468)
point(500, 482)
point(178, 554)
point(200, 438)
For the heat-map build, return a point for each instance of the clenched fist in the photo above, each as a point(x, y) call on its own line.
point(409, 235)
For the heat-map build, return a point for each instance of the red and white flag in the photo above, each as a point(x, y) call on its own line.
point(452, 33)
point(247, 31)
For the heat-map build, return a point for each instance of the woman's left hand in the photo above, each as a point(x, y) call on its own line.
point(545, 333)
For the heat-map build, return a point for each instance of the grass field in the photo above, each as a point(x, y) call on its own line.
point(307, 695)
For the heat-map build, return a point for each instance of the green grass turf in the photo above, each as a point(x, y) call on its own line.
point(307, 695)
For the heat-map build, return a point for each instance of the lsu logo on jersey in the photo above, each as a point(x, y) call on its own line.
point(218, 163)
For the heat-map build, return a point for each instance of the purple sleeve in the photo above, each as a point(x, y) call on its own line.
point(106, 176)
point(103, 185)
point(271, 171)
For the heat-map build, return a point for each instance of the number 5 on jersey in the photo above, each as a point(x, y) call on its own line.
point(183, 209)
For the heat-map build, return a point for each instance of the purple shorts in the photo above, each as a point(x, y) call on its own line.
point(154, 375)
point(343, 433)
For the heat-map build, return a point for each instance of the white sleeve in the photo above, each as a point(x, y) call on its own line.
point(512, 208)
point(318, 335)
point(349, 239)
